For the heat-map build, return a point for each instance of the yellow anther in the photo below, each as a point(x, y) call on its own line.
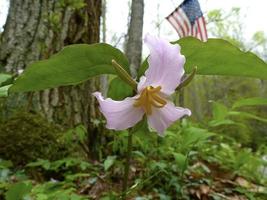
point(157, 105)
point(153, 90)
point(160, 100)
point(149, 97)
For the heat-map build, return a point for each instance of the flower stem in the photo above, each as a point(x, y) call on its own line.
point(127, 165)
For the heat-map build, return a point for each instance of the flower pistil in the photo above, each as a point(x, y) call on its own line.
point(149, 97)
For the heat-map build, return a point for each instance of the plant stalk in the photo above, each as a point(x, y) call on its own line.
point(123, 74)
point(127, 166)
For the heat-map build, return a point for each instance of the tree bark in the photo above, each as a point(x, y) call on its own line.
point(135, 32)
point(37, 29)
point(104, 78)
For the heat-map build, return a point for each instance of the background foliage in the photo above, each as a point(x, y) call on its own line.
point(220, 153)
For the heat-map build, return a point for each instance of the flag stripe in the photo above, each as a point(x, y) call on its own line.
point(173, 22)
point(196, 30)
point(181, 12)
point(179, 20)
point(199, 29)
point(204, 27)
point(186, 23)
point(188, 20)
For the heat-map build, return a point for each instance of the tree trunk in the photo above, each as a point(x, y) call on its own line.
point(37, 29)
point(135, 32)
point(104, 78)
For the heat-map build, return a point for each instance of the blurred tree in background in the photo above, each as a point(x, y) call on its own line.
point(35, 30)
point(227, 90)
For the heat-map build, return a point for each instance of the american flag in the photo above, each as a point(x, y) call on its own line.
point(188, 20)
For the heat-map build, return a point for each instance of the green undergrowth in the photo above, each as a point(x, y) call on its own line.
point(216, 159)
point(191, 162)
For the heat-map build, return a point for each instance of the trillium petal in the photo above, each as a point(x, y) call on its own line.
point(142, 84)
point(166, 64)
point(162, 118)
point(120, 115)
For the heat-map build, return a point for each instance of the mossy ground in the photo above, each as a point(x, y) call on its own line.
point(28, 136)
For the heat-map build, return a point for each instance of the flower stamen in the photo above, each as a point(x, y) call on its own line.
point(150, 97)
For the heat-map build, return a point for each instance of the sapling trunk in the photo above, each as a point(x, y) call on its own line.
point(127, 165)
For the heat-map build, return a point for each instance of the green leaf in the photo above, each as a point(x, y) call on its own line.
point(142, 68)
point(4, 78)
point(225, 122)
point(247, 116)
point(256, 101)
point(5, 164)
point(109, 162)
point(187, 80)
point(181, 160)
point(193, 136)
point(118, 89)
point(219, 111)
point(72, 65)
point(219, 57)
point(4, 90)
point(18, 190)
point(141, 127)
point(80, 133)
point(46, 164)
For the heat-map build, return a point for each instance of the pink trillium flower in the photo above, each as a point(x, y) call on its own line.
point(153, 91)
